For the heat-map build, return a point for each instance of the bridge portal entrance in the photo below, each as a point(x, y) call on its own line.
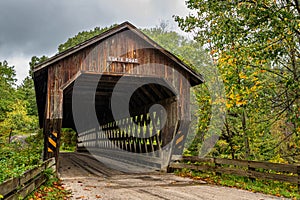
point(126, 97)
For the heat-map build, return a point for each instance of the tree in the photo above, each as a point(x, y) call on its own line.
point(18, 107)
point(26, 93)
point(249, 39)
point(18, 121)
point(7, 84)
point(82, 37)
point(34, 61)
point(187, 50)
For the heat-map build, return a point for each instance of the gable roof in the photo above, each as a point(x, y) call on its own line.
point(198, 78)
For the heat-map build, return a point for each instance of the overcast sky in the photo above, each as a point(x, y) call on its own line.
point(36, 27)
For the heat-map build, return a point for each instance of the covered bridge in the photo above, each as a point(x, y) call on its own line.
point(122, 93)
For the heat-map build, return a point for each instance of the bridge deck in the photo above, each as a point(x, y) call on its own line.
point(88, 178)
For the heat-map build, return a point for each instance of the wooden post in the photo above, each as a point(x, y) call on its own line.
point(298, 173)
point(46, 130)
point(52, 124)
point(56, 128)
point(217, 165)
point(250, 169)
point(167, 152)
point(52, 127)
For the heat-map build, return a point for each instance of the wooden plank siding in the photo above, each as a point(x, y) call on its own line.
point(94, 59)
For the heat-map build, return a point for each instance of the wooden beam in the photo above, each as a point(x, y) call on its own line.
point(70, 81)
point(148, 94)
point(156, 91)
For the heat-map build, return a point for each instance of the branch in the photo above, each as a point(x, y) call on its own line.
point(284, 139)
point(268, 70)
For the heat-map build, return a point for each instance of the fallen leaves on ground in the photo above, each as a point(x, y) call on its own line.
point(54, 190)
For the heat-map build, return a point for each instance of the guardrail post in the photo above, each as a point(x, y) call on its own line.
point(250, 169)
point(217, 165)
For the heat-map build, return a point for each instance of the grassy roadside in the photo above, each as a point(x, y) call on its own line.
point(17, 157)
point(275, 188)
point(52, 189)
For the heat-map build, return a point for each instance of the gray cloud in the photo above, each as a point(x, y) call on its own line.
point(36, 27)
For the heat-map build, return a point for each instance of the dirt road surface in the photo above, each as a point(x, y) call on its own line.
point(88, 178)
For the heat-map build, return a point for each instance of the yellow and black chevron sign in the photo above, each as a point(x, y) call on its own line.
point(52, 140)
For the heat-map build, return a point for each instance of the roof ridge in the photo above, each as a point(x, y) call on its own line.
point(108, 33)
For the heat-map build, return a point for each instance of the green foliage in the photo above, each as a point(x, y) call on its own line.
point(34, 61)
point(187, 50)
point(255, 46)
point(14, 107)
point(18, 120)
point(26, 94)
point(7, 83)
point(68, 140)
point(19, 156)
point(82, 37)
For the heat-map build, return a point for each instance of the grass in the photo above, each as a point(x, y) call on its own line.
point(275, 188)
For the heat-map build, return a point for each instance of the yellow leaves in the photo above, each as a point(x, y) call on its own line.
point(232, 96)
point(241, 102)
point(263, 62)
point(298, 130)
point(242, 75)
point(258, 61)
point(277, 159)
point(248, 67)
point(231, 61)
point(235, 147)
point(227, 60)
point(253, 89)
point(221, 60)
point(235, 99)
point(228, 105)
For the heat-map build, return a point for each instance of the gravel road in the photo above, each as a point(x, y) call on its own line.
point(88, 178)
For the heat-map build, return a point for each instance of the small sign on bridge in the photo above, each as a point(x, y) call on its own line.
point(52, 142)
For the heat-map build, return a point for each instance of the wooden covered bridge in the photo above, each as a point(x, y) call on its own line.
point(124, 95)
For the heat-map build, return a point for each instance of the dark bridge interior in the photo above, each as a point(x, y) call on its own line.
point(140, 131)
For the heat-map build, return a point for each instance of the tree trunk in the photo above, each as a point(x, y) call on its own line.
point(10, 134)
point(246, 139)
